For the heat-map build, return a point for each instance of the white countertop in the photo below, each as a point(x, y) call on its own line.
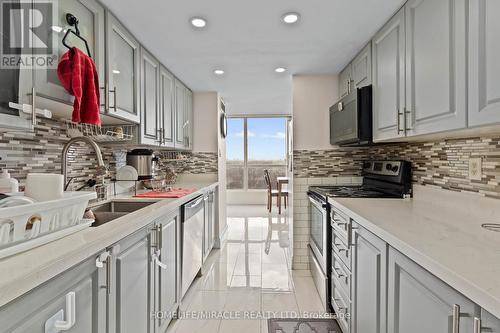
point(441, 231)
point(22, 272)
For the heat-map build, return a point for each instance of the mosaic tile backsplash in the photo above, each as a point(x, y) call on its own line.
point(40, 152)
point(443, 163)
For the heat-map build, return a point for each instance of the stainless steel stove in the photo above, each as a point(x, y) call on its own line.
point(381, 179)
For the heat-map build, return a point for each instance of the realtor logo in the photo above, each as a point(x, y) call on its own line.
point(28, 40)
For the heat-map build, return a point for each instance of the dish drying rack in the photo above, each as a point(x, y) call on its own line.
point(117, 133)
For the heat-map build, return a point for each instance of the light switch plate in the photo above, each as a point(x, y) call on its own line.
point(475, 168)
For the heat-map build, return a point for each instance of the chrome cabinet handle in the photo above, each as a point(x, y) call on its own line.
point(477, 325)
point(407, 112)
point(114, 99)
point(33, 106)
point(398, 119)
point(456, 319)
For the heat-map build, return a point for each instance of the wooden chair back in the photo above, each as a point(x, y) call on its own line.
point(268, 180)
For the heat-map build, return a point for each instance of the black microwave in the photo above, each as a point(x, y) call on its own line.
point(351, 119)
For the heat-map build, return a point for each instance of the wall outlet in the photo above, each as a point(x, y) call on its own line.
point(475, 168)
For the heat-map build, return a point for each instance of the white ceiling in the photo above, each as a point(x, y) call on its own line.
point(248, 40)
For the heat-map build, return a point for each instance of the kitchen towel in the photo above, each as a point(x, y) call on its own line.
point(78, 75)
point(174, 193)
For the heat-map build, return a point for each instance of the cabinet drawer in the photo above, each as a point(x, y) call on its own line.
point(340, 247)
point(342, 275)
point(341, 307)
point(341, 224)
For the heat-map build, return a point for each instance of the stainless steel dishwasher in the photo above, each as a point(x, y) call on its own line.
point(193, 214)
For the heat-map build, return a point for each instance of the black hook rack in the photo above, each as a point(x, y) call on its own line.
point(73, 21)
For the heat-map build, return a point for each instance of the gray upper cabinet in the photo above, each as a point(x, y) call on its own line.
point(150, 127)
point(420, 302)
point(167, 278)
point(180, 114)
point(91, 24)
point(436, 93)
point(369, 282)
point(345, 79)
point(484, 68)
point(388, 61)
point(167, 107)
point(122, 87)
point(131, 305)
point(188, 130)
point(488, 323)
point(362, 68)
point(36, 311)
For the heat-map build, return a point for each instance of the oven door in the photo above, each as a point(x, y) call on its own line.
point(318, 211)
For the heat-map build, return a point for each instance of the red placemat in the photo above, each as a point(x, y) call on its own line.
point(174, 193)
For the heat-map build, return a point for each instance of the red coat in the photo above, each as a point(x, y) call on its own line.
point(78, 75)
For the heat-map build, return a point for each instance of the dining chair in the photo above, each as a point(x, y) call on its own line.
point(274, 194)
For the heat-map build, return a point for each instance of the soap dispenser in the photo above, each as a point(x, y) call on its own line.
point(8, 184)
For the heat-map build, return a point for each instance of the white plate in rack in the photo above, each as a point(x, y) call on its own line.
point(128, 173)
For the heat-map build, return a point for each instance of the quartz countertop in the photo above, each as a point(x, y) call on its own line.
point(441, 231)
point(23, 272)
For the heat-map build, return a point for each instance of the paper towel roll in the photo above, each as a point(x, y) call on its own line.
point(44, 187)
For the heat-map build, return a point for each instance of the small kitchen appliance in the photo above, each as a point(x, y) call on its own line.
point(143, 161)
point(330, 229)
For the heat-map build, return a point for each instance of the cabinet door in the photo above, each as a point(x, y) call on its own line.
point(369, 282)
point(180, 115)
point(211, 216)
point(484, 67)
point(345, 81)
point(132, 285)
point(436, 93)
point(16, 83)
point(206, 228)
point(420, 302)
point(489, 323)
point(32, 312)
point(167, 107)
point(166, 279)
point(91, 24)
point(150, 122)
point(388, 60)
point(362, 68)
point(188, 131)
point(122, 71)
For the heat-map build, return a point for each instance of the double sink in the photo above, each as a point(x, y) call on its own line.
point(112, 210)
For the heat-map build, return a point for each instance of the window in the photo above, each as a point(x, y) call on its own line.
point(255, 145)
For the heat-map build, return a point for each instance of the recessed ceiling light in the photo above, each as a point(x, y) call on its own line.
point(198, 22)
point(290, 18)
point(219, 72)
point(280, 70)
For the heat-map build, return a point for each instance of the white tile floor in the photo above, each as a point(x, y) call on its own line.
point(248, 279)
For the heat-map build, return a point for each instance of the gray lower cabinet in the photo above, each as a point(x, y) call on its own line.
point(209, 224)
point(369, 282)
point(166, 271)
point(37, 311)
point(131, 285)
point(420, 302)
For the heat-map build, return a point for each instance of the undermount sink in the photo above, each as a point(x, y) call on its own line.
point(115, 209)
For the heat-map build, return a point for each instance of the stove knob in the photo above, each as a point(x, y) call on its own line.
point(395, 169)
point(388, 166)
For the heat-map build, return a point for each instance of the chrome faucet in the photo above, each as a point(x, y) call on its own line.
point(101, 168)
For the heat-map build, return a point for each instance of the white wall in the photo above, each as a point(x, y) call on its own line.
point(312, 97)
point(205, 121)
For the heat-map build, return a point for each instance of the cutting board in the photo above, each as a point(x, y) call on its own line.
point(174, 193)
